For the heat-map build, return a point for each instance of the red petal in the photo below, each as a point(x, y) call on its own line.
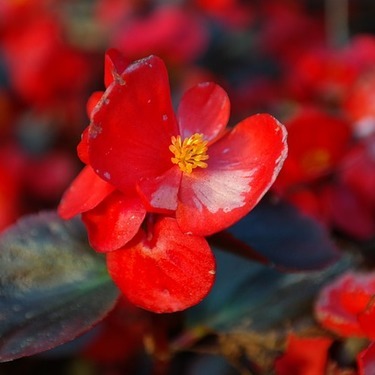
point(93, 101)
point(83, 147)
point(170, 273)
point(114, 64)
point(203, 109)
point(114, 222)
point(131, 128)
point(367, 321)
point(84, 193)
point(241, 167)
point(366, 360)
point(160, 194)
point(307, 356)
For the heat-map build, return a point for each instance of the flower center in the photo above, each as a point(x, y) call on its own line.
point(316, 161)
point(189, 153)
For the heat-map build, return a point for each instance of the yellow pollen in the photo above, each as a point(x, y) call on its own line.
point(189, 153)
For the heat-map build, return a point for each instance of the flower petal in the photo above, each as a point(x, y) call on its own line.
point(160, 194)
point(132, 126)
point(92, 101)
point(168, 273)
point(366, 360)
point(205, 108)
point(114, 64)
point(366, 320)
point(114, 222)
point(76, 198)
point(83, 147)
point(241, 167)
point(304, 355)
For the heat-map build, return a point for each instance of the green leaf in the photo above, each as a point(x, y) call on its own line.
point(255, 297)
point(53, 286)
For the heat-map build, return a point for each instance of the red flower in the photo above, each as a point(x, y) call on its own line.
point(176, 34)
point(326, 74)
point(346, 306)
point(187, 166)
point(304, 356)
point(143, 158)
point(317, 142)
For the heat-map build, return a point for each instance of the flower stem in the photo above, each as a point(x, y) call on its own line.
point(156, 344)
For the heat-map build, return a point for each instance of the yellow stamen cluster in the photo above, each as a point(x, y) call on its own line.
point(189, 153)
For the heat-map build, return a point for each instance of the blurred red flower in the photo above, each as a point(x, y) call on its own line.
point(325, 74)
point(176, 34)
point(304, 356)
point(317, 142)
point(346, 305)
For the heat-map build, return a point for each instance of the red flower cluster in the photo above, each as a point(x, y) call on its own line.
point(156, 183)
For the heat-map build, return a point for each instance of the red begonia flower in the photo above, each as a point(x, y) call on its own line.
point(64, 71)
point(141, 157)
point(165, 273)
point(345, 306)
point(327, 74)
point(304, 356)
point(317, 142)
point(186, 164)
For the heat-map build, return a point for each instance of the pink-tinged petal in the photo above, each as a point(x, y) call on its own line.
point(132, 126)
point(114, 222)
point(83, 147)
point(114, 64)
point(366, 360)
point(84, 193)
point(160, 194)
point(169, 272)
point(304, 356)
point(205, 109)
point(241, 168)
